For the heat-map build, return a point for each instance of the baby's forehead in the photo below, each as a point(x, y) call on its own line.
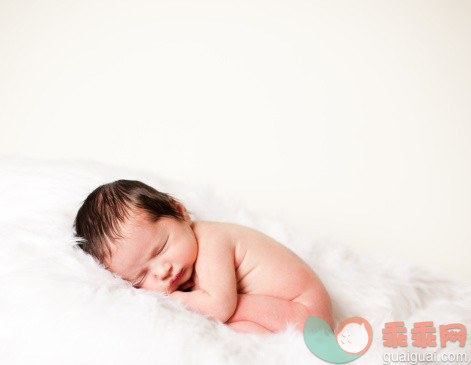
point(134, 220)
point(133, 232)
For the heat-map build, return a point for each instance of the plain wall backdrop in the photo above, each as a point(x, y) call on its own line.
point(350, 120)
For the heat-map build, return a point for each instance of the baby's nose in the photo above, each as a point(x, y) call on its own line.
point(164, 270)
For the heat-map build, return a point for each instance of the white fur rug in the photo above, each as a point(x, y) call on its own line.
point(57, 306)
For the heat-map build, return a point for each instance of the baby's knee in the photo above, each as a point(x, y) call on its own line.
point(321, 309)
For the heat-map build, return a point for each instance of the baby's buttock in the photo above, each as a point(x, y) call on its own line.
point(301, 288)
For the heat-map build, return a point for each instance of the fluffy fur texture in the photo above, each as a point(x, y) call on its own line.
point(58, 306)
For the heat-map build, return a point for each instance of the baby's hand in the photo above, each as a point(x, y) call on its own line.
point(187, 286)
point(199, 300)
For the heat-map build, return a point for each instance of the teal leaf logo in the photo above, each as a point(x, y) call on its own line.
point(350, 341)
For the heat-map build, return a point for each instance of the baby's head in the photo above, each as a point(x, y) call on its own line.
point(139, 233)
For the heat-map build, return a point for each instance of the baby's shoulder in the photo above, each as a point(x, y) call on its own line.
point(236, 235)
point(219, 228)
point(217, 232)
point(214, 242)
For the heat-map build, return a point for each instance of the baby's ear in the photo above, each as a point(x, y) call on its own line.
point(182, 211)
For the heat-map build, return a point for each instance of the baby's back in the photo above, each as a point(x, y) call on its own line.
point(264, 266)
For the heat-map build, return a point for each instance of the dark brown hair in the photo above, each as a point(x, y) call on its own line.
point(99, 218)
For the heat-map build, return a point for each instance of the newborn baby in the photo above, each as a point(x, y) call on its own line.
point(226, 271)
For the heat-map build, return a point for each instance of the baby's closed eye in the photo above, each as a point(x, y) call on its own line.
point(137, 283)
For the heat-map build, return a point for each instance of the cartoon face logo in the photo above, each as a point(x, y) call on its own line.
point(353, 338)
point(350, 341)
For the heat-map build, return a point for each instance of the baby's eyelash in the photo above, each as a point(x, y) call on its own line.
point(142, 277)
point(161, 249)
point(139, 282)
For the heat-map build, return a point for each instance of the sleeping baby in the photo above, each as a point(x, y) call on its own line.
point(227, 272)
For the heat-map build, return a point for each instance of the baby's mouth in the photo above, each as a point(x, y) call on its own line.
point(176, 279)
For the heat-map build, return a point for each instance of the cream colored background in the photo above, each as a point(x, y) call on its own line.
point(350, 120)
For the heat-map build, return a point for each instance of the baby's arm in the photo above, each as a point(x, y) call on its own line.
point(217, 292)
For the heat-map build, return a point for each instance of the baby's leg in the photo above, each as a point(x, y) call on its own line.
point(247, 327)
point(270, 312)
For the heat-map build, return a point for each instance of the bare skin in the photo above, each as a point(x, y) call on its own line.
point(229, 272)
